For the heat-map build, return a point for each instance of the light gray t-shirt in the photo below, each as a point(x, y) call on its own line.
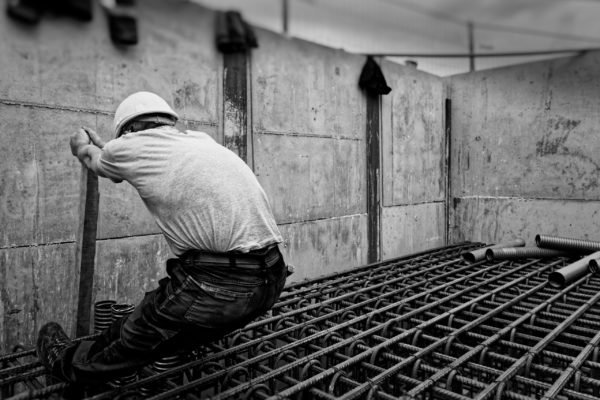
point(202, 195)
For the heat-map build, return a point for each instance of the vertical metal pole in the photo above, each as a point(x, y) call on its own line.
point(285, 14)
point(470, 29)
point(235, 103)
point(373, 209)
point(448, 139)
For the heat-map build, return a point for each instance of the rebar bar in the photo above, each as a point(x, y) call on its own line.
point(427, 326)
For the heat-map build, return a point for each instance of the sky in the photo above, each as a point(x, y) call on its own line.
point(433, 26)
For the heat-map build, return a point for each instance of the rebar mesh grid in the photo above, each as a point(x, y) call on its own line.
point(426, 326)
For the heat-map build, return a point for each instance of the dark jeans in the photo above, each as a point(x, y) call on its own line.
point(198, 303)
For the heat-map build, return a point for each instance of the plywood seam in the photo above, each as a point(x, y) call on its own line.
point(9, 102)
point(321, 219)
point(129, 237)
point(21, 246)
point(526, 198)
point(417, 203)
point(53, 106)
point(304, 134)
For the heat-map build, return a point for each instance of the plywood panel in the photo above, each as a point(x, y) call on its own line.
point(493, 220)
point(175, 58)
point(412, 228)
point(311, 177)
point(37, 284)
point(528, 131)
point(128, 267)
point(323, 247)
point(413, 138)
point(304, 88)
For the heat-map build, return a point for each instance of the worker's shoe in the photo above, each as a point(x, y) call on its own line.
point(52, 341)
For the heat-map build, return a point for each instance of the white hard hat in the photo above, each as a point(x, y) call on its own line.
point(140, 103)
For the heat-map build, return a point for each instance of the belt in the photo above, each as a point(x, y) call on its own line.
point(256, 259)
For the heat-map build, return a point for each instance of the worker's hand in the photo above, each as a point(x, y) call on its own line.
point(78, 140)
point(94, 137)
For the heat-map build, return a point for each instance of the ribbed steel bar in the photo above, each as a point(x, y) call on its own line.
point(373, 351)
point(321, 306)
point(501, 382)
point(572, 369)
point(427, 326)
point(491, 340)
point(424, 267)
point(363, 318)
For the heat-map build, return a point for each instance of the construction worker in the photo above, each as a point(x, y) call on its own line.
point(218, 222)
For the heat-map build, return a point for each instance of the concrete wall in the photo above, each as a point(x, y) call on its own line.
point(306, 143)
point(308, 120)
point(413, 162)
point(525, 151)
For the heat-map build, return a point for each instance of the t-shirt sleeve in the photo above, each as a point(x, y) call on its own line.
point(110, 161)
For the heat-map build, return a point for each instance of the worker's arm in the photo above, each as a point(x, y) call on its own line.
point(88, 152)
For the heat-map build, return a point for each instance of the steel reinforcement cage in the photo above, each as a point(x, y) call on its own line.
point(429, 326)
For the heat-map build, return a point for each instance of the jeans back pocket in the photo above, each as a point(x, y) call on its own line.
point(218, 306)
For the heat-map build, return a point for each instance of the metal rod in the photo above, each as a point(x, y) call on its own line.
point(425, 326)
point(500, 382)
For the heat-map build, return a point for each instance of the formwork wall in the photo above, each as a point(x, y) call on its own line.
point(524, 151)
point(306, 140)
